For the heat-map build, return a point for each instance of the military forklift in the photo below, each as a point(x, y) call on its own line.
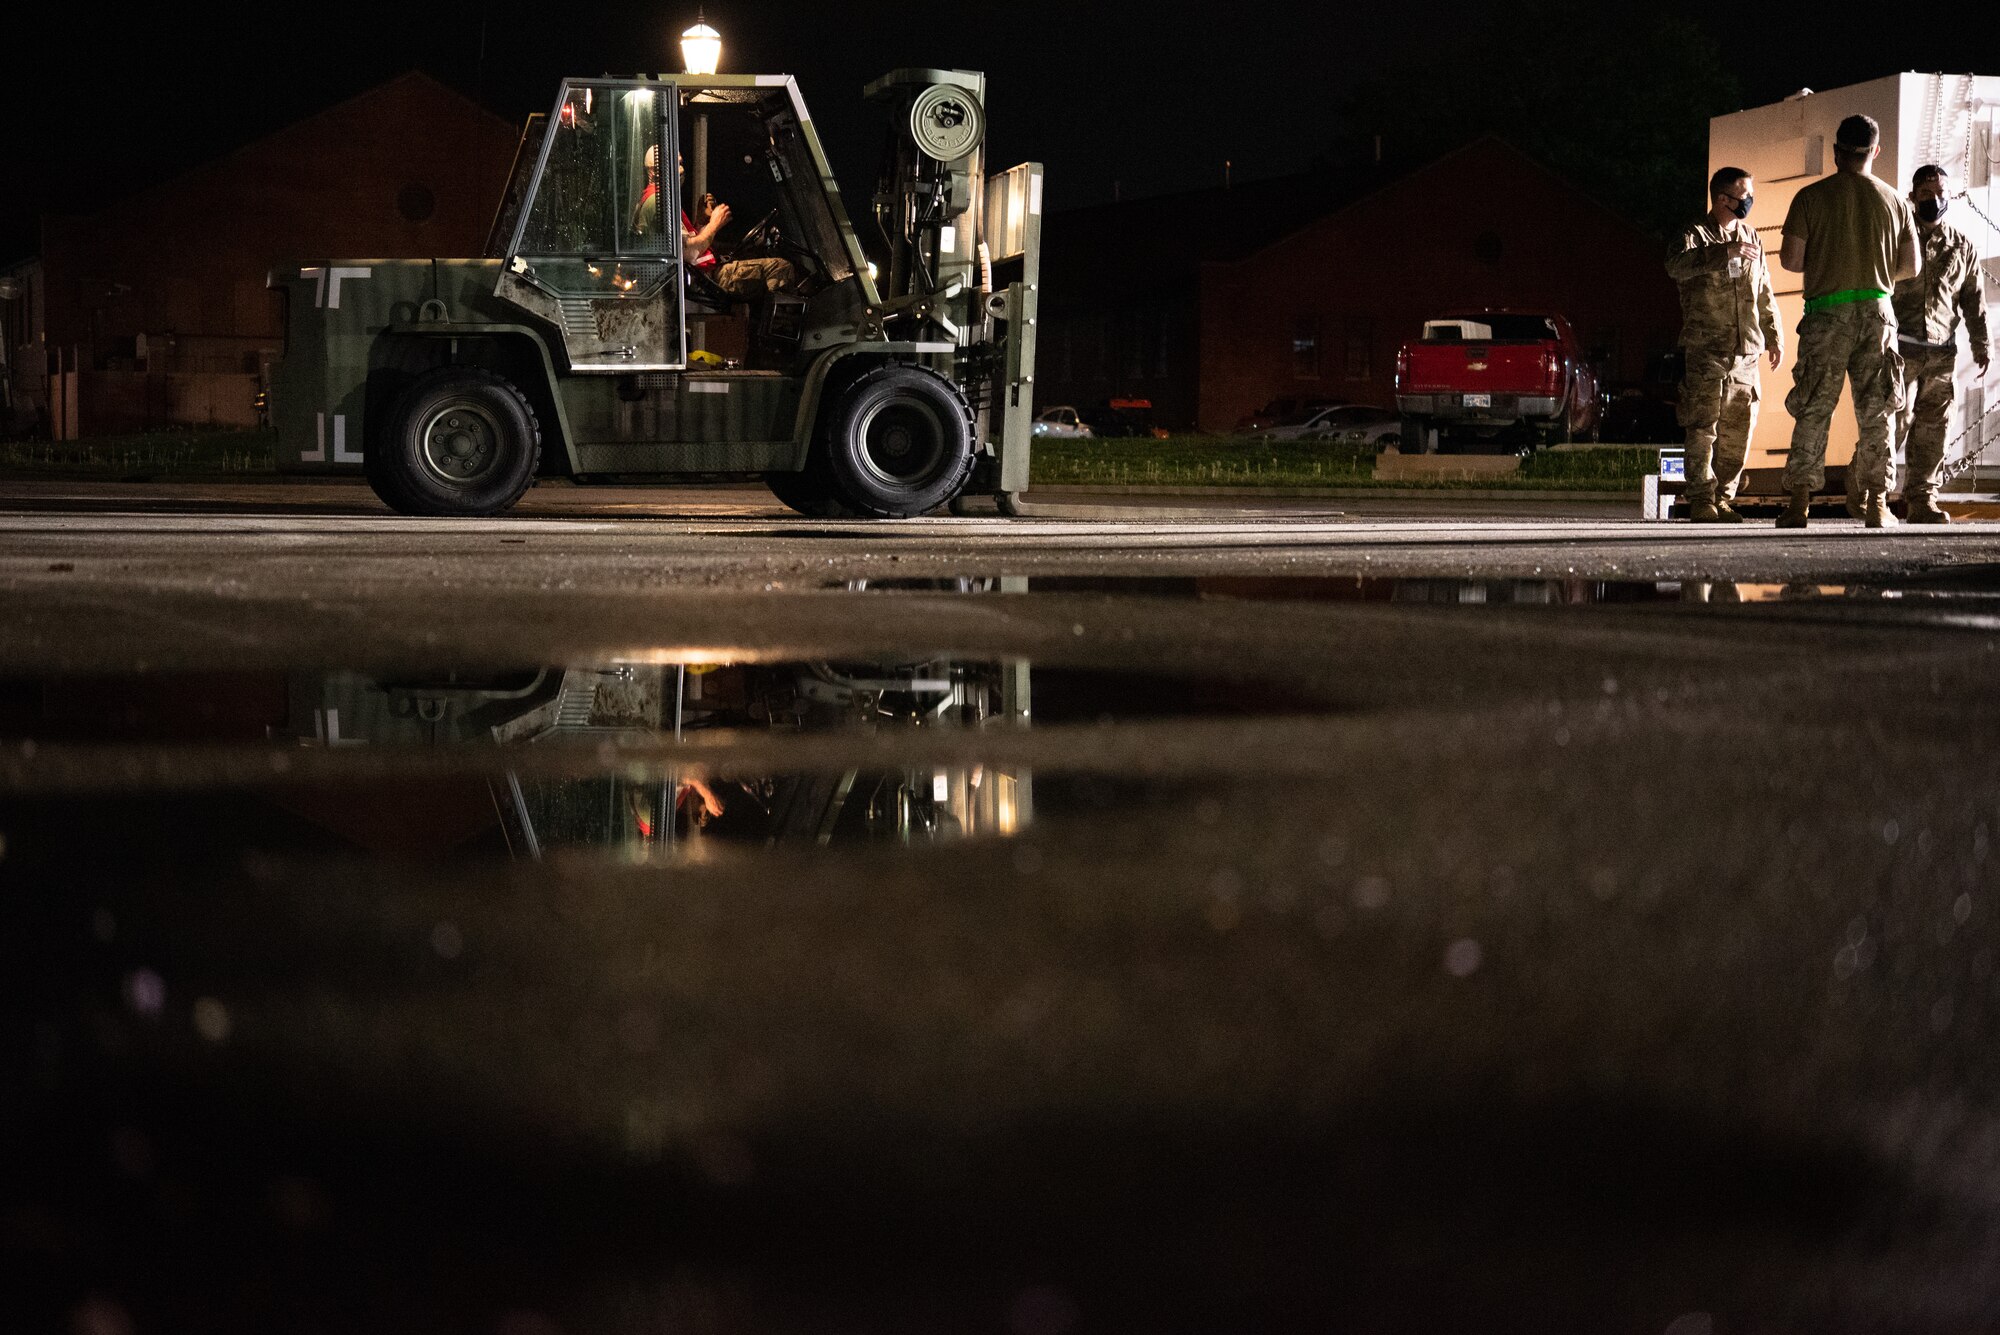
point(879, 376)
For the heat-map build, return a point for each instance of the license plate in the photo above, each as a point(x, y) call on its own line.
point(1479, 400)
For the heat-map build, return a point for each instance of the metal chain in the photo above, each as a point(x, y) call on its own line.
point(1951, 472)
point(1965, 197)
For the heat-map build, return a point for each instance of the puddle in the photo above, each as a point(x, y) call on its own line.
point(1977, 587)
point(644, 761)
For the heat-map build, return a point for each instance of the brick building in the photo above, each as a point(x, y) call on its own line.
point(1213, 303)
point(154, 312)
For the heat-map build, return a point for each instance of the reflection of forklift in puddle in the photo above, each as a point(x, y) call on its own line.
point(646, 811)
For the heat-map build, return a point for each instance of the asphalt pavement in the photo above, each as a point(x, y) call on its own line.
point(652, 911)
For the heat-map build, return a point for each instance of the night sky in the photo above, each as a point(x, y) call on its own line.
point(97, 108)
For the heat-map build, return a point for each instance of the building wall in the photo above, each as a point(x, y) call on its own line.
point(172, 280)
point(1788, 145)
point(1323, 312)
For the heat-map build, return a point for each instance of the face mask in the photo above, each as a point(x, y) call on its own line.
point(1931, 210)
point(1741, 207)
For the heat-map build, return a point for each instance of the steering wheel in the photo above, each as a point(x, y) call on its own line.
point(763, 237)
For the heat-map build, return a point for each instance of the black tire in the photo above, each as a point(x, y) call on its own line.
point(1413, 436)
point(459, 441)
point(810, 493)
point(898, 442)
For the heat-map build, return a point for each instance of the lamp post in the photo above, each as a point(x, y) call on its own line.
point(701, 53)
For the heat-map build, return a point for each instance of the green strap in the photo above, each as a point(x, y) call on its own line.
point(1832, 299)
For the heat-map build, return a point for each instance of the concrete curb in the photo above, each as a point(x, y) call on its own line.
point(1344, 493)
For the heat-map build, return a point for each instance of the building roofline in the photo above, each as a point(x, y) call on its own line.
point(1402, 178)
point(412, 75)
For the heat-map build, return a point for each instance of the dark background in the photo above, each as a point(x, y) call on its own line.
point(101, 103)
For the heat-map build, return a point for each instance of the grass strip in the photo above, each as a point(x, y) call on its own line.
point(147, 454)
point(1236, 461)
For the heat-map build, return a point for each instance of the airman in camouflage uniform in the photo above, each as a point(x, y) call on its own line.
point(1928, 309)
point(1853, 238)
point(1728, 318)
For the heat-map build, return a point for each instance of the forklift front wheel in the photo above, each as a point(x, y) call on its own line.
point(899, 442)
point(458, 441)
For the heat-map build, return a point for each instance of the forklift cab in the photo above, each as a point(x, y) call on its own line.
point(590, 230)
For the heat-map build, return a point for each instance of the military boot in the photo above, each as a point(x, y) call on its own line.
point(1923, 509)
point(1703, 512)
point(1857, 498)
point(1877, 512)
point(1725, 513)
point(1795, 513)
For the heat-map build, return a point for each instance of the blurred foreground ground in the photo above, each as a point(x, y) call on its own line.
point(1400, 920)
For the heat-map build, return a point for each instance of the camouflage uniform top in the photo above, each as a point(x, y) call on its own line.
point(1950, 284)
point(1720, 313)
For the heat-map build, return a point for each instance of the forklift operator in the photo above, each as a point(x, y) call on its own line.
point(745, 279)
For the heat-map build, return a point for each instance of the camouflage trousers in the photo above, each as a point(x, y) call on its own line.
point(750, 279)
point(1856, 342)
point(1930, 388)
point(1719, 411)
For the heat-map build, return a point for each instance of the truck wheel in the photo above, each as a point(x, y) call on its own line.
point(458, 441)
point(898, 442)
point(1413, 436)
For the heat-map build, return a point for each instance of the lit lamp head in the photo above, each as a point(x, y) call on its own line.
point(701, 47)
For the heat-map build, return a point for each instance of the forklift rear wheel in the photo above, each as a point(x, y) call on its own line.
point(458, 441)
point(899, 442)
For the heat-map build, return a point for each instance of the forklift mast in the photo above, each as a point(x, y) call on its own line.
point(963, 248)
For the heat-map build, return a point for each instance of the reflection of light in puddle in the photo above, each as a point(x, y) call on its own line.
point(1724, 591)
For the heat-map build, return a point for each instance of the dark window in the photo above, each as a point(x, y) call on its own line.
point(1305, 348)
point(1135, 347)
point(1358, 367)
point(416, 202)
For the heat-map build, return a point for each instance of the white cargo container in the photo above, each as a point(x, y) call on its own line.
point(1948, 119)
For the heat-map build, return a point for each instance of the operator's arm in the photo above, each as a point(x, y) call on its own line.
point(1972, 307)
point(1792, 255)
point(1691, 256)
point(697, 243)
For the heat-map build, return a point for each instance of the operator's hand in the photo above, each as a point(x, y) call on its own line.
point(1777, 358)
point(718, 214)
point(1982, 358)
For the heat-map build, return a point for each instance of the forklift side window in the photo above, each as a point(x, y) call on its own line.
point(600, 192)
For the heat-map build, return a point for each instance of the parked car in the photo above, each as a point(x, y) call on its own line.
point(1061, 422)
point(1122, 418)
point(1280, 410)
point(1647, 412)
point(1496, 379)
point(1345, 421)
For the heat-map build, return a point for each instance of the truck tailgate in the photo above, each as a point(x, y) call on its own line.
point(1503, 368)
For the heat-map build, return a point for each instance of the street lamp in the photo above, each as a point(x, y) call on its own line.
point(701, 47)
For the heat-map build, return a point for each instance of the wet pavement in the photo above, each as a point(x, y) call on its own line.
point(716, 921)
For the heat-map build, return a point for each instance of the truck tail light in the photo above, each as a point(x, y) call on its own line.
point(1552, 371)
point(1402, 367)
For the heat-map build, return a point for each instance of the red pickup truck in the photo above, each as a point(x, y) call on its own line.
point(1495, 379)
